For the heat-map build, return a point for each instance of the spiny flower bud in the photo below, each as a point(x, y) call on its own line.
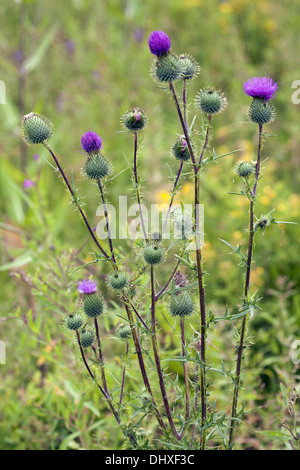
point(153, 254)
point(181, 305)
point(167, 68)
point(118, 281)
point(180, 279)
point(263, 223)
point(96, 167)
point(124, 331)
point(134, 120)
point(93, 304)
point(189, 67)
point(74, 321)
point(211, 101)
point(36, 129)
point(261, 111)
point(87, 338)
point(180, 149)
point(244, 169)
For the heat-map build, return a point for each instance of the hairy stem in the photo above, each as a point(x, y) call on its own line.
point(136, 180)
point(103, 376)
point(246, 291)
point(172, 198)
point(75, 200)
point(123, 375)
point(157, 360)
point(107, 224)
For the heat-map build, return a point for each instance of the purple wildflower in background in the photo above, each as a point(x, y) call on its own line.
point(28, 184)
point(36, 157)
point(261, 87)
point(91, 142)
point(159, 43)
point(138, 34)
point(87, 286)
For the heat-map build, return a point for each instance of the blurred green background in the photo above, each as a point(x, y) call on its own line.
point(83, 63)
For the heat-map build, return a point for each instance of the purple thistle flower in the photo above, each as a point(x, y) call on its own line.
point(159, 43)
point(87, 286)
point(91, 142)
point(261, 87)
point(28, 184)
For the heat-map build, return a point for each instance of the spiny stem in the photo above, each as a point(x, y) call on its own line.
point(206, 139)
point(75, 200)
point(136, 180)
point(107, 224)
point(185, 373)
point(142, 364)
point(101, 358)
point(123, 375)
point(172, 198)
point(202, 317)
point(157, 360)
point(246, 291)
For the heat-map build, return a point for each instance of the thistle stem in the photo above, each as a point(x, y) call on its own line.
point(107, 224)
point(172, 198)
point(75, 199)
point(104, 383)
point(123, 375)
point(157, 360)
point(185, 372)
point(136, 180)
point(246, 291)
point(142, 364)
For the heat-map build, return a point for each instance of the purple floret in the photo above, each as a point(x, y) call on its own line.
point(28, 184)
point(159, 43)
point(87, 286)
point(261, 87)
point(91, 142)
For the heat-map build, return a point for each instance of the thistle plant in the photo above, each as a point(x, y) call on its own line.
point(192, 422)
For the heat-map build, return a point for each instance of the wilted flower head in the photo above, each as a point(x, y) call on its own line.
point(159, 43)
point(261, 87)
point(28, 184)
point(87, 286)
point(91, 142)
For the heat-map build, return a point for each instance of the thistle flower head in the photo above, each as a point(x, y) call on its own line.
point(91, 142)
point(36, 129)
point(87, 338)
point(134, 120)
point(190, 67)
point(180, 149)
point(28, 184)
point(87, 286)
point(261, 87)
point(74, 321)
point(153, 254)
point(124, 331)
point(244, 169)
point(181, 305)
point(159, 43)
point(96, 167)
point(118, 281)
point(211, 101)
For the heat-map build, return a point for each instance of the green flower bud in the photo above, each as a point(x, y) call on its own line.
point(93, 304)
point(134, 120)
point(244, 169)
point(167, 68)
point(153, 254)
point(189, 67)
point(124, 331)
point(180, 149)
point(211, 101)
point(87, 338)
point(181, 305)
point(96, 167)
point(118, 281)
point(261, 111)
point(263, 223)
point(74, 321)
point(36, 128)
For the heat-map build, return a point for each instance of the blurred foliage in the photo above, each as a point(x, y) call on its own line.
point(83, 63)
